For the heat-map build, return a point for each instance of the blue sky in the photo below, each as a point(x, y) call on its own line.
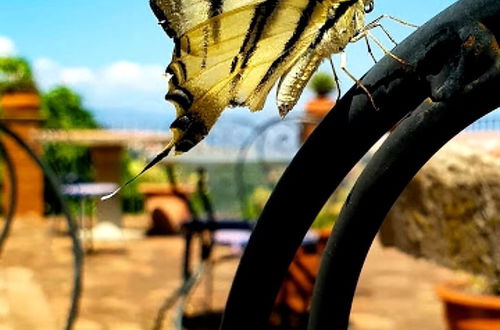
point(114, 53)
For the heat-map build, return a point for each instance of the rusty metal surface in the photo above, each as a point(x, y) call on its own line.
point(450, 82)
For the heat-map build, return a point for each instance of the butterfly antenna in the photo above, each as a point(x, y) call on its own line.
point(164, 153)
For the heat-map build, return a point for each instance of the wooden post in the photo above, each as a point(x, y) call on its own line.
point(107, 162)
point(21, 113)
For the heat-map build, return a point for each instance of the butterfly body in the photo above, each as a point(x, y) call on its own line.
point(232, 52)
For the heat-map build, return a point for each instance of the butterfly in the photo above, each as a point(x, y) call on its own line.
point(231, 53)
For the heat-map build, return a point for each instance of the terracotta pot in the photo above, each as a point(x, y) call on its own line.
point(315, 110)
point(468, 311)
point(20, 105)
point(168, 211)
point(20, 100)
point(319, 106)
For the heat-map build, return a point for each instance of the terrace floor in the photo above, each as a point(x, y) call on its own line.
point(126, 282)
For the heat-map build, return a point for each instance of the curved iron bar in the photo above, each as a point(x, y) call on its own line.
point(444, 57)
point(262, 137)
point(72, 227)
point(377, 189)
point(9, 214)
point(179, 295)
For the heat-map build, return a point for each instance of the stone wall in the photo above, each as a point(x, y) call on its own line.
point(450, 213)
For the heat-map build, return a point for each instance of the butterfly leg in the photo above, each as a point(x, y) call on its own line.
point(387, 34)
point(392, 18)
point(365, 34)
point(336, 77)
point(343, 61)
point(369, 49)
point(376, 24)
point(385, 50)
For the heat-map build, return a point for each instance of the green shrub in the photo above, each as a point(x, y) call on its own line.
point(322, 83)
point(16, 76)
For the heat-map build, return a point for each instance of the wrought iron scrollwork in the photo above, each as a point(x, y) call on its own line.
point(281, 144)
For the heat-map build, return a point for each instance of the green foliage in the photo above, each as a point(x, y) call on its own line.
point(63, 109)
point(16, 75)
point(328, 215)
point(257, 201)
point(330, 212)
point(325, 219)
point(322, 83)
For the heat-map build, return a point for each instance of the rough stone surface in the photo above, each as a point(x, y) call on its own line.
point(450, 213)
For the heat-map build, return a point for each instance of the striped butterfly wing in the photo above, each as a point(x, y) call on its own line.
point(332, 33)
point(232, 53)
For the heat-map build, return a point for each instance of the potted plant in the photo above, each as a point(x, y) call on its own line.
point(467, 305)
point(17, 87)
point(322, 84)
point(450, 214)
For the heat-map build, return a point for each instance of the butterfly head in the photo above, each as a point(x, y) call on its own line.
point(369, 5)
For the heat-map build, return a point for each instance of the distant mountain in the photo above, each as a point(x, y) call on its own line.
point(234, 126)
point(134, 119)
point(160, 120)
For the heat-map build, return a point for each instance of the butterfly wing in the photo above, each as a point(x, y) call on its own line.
point(222, 60)
point(343, 20)
point(232, 53)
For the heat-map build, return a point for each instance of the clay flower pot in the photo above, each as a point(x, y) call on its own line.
point(315, 110)
point(20, 100)
point(468, 311)
point(20, 104)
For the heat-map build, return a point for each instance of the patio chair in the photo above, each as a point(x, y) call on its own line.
point(203, 231)
point(292, 304)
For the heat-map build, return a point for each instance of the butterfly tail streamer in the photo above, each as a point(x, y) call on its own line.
point(447, 59)
point(159, 157)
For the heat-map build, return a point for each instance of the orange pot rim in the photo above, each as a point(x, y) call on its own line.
point(453, 292)
point(20, 100)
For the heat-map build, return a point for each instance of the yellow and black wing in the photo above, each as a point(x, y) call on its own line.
point(232, 52)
